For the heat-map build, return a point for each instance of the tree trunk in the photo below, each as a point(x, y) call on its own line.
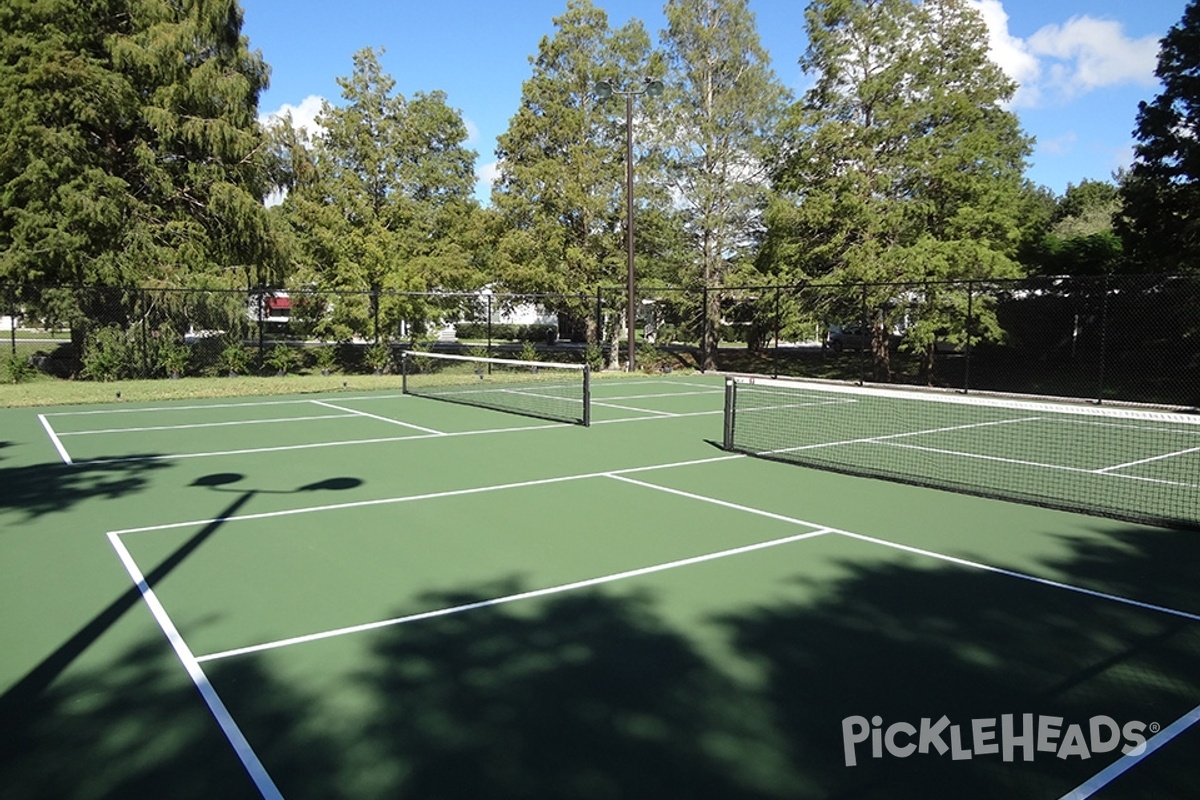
point(881, 355)
point(712, 328)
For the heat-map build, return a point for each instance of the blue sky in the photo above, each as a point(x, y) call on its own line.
point(1082, 65)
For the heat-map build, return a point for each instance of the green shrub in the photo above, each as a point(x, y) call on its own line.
point(107, 354)
point(281, 359)
point(593, 356)
point(504, 331)
point(234, 359)
point(325, 358)
point(173, 356)
point(651, 359)
point(528, 352)
point(18, 369)
point(378, 357)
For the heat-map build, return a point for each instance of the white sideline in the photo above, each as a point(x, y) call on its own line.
point(1125, 763)
point(358, 413)
point(229, 727)
point(58, 445)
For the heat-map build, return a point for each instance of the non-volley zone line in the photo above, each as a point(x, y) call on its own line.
point(624, 475)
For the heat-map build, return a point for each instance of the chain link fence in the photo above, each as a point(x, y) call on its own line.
point(1133, 338)
point(109, 333)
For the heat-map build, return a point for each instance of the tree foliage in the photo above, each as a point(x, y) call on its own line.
point(1079, 236)
point(380, 200)
point(559, 199)
point(130, 151)
point(723, 102)
point(901, 164)
point(1160, 220)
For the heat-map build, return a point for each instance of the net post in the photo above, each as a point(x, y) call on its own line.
point(404, 372)
point(587, 395)
point(730, 403)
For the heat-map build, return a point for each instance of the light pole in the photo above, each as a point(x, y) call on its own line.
point(605, 90)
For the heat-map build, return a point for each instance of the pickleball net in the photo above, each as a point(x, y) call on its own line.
point(1139, 465)
point(541, 389)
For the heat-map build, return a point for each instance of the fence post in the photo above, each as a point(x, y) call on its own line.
point(145, 309)
point(1103, 339)
point(967, 343)
point(600, 318)
point(866, 333)
point(775, 359)
point(261, 314)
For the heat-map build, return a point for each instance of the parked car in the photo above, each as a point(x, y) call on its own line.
point(853, 337)
point(847, 337)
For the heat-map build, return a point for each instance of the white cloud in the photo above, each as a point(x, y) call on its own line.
point(1093, 53)
point(1009, 52)
point(472, 131)
point(1062, 62)
point(1059, 145)
point(304, 116)
point(488, 173)
point(486, 176)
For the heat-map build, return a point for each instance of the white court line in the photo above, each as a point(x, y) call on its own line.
point(380, 440)
point(250, 404)
point(1152, 458)
point(512, 598)
point(1122, 765)
point(667, 416)
point(58, 445)
point(620, 476)
point(429, 496)
point(233, 423)
point(376, 416)
point(216, 707)
point(885, 437)
point(286, 447)
point(655, 396)
point(1025, 577)
point(1060, 467)
point(606, 404)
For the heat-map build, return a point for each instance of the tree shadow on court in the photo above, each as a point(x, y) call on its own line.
point(136, 728)
point(41, 489)
point(591, 696)
point(903, 641)
point(594, 695)
point(599, 694)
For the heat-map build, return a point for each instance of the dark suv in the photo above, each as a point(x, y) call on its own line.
point(847, 337)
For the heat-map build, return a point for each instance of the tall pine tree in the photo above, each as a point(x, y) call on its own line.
point(382, 203)
point(1160, 220)
point(901, 163)
point(130, 151)
point(723, 103)
point(559, 196)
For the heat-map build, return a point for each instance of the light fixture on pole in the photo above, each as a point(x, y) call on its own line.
point(603, 91)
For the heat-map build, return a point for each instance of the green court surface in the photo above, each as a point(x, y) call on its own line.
point(382, 596)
